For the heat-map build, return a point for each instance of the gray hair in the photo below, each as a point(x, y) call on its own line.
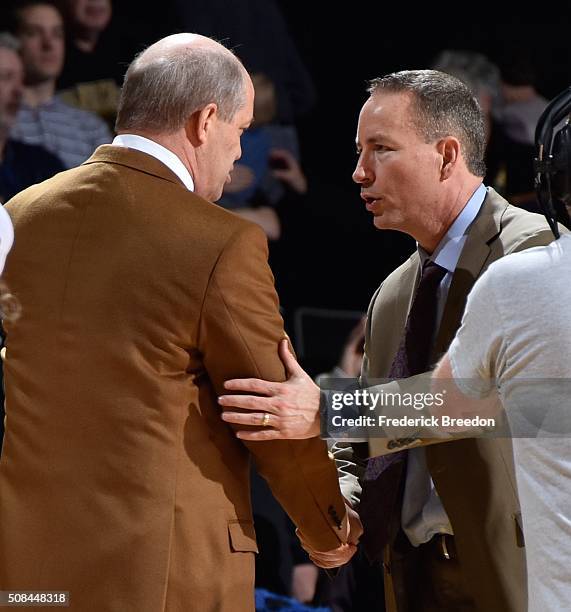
point(160, 94)
point(442, 105)
point(8, 41)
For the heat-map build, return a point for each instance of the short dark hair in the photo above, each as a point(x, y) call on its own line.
point(441, 105)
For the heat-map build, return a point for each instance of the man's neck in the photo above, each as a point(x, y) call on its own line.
point(430, 235)
point(36, 95)
point(430, 240)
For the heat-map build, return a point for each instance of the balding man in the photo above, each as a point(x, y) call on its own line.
point(119, 481)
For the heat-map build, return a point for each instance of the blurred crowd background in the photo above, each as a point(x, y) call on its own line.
point(311, 66)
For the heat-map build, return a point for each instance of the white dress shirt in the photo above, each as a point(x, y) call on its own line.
point(168, 158)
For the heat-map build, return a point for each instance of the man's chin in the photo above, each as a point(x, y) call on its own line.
point(380, 223)
point(385, 222)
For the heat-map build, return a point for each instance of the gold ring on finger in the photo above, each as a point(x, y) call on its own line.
point(265, 420)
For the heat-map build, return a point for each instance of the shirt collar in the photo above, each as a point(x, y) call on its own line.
point(168, 158)
point(449, 249)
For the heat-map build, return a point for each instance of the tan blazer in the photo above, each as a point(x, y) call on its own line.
point(474, 478)
point(118, 481)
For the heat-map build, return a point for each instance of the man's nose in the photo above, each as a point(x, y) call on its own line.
point(361, 174)
point(47, 42)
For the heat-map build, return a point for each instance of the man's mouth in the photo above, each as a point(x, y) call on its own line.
point(370, 201)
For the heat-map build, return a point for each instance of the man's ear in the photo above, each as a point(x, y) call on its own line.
point(200, 123)
point(450, 151)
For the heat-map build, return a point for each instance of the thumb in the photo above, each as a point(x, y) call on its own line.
point(290, 362)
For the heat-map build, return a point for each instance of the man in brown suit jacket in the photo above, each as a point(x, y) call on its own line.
point(119, 483)
point(454, 537)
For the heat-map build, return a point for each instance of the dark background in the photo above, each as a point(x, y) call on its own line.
point(330, 255)
point(342, 57)
point(334, 257)
point(343, 258)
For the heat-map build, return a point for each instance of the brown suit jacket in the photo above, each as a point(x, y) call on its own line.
point(474, 477)
point(119, 482)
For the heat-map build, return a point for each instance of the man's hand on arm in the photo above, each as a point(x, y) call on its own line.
point(288, 410)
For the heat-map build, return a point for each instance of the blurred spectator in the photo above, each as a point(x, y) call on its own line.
point(21, 165)
point(264, 174)
point(96, 56)
point(517, 118)
point(522, 104)
point(44, 119)
point(480, 74)
point(256, 144)
point(511, 107)
point(257, 31)
point(483, 77)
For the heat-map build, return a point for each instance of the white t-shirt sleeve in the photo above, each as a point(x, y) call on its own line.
point(477, 353)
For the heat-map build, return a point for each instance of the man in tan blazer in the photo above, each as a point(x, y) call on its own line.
point(119, 483)
point(454, 536)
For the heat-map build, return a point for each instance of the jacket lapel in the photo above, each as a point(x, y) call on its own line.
point(390, 324)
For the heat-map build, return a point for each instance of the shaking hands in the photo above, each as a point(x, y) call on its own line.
point(343, 553)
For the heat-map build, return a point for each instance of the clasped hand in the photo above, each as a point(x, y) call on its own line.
point(343, 553)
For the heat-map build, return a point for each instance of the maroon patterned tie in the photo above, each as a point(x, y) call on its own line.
point(383, 482)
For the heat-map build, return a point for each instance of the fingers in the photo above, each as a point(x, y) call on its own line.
point(253, 385)
point(259, 419)
point(261, 435)
point(264, 420)
point(282, 154)
point(290, 362)
point(355, 526)
point(331, 558)
point(248, 402)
